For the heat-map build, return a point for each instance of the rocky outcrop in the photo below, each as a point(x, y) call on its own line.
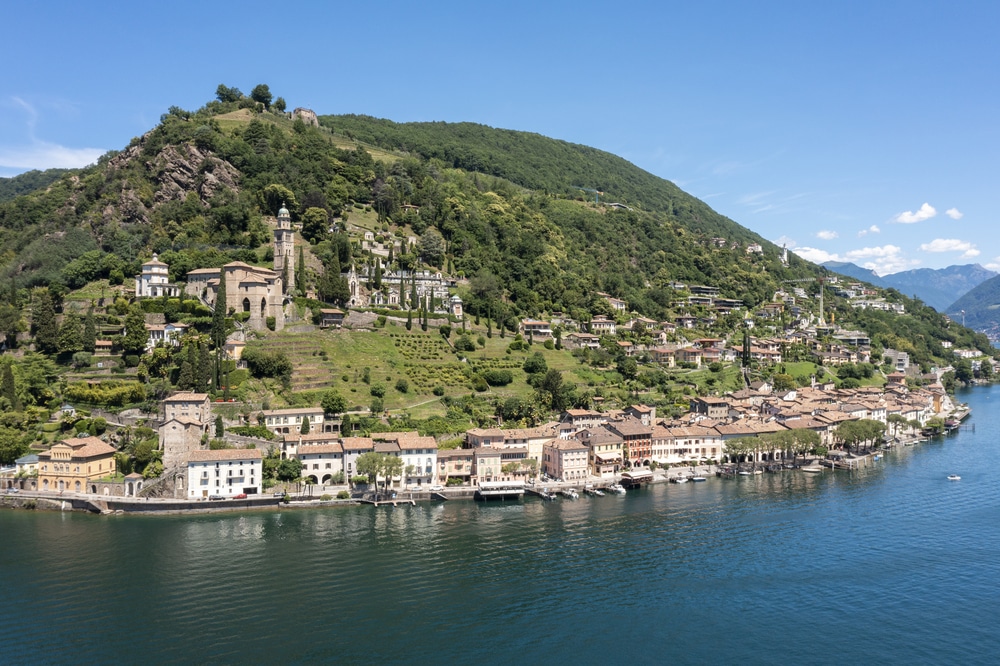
point(175, 172)
point(182, 169)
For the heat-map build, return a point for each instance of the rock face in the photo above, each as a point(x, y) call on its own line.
point(176, 171)
point(308, 116)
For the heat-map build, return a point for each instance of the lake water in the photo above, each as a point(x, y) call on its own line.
point(892, 564)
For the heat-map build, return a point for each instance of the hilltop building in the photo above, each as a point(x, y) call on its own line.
point(154, 281)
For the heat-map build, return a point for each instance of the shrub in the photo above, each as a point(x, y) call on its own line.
point(498, 377)
point(438, 390)
point(325, 497)
point(270, 323)
point(479, 384)
point(403, 386)
point(377, 390)
point(343, 494)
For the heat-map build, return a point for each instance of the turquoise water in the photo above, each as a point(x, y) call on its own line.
point(893, 564)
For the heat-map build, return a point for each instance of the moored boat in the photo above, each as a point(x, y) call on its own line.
point(954, 477)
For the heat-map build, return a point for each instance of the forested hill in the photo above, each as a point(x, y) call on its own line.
point(28, 182)
point(540, 163)
point(501, 211)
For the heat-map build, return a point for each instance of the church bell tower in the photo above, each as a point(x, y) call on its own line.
point(284, 248)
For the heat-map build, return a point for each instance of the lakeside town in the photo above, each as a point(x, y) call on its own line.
point(205, 450)
point(582, 449)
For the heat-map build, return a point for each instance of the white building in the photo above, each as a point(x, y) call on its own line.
point(224, 473)
point(288, 421)
point(154, 281)
point(419, 459)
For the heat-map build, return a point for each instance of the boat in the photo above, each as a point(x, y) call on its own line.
point(598, 493)
point(954, 477)
point(617, 488)
point(570, 493)
point(699, 477)
point(745, 472)
point(679, 479)
point(812, 469)
point(546, 495)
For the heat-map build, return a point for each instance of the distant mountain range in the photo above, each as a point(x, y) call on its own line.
point(938, 288)
point(981, 306)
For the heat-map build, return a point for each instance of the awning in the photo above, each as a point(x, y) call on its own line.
point(608, 457)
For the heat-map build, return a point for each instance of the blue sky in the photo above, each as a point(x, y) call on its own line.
point(857, 131)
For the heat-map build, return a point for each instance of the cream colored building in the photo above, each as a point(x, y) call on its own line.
point(566, 460)
point(71, 463)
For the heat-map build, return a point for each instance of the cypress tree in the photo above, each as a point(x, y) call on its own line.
point(218, 331)
point(8, 389)
point(203, 367)
point(300, 274)
point(409, 319)
point(43, 324)
point(220, 427)
point(89, 331)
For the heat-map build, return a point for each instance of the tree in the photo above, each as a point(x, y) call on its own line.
point(333, 403)
point(261, 93)
point(432, 246)
point(10, 324)
point(8, 388)
point(43, 323)
point(279, 105)
point(370, 464)
point(135, 338)
point(220, 426)
point(306, 426)
point(71, 335)
point(288, 470)
point(300, 274)
point(12, 445)
point(315, 224)
point(226, 94)
point(535, 364)
point(89, 331)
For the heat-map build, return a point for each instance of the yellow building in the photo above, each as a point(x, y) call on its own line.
point(72, 463)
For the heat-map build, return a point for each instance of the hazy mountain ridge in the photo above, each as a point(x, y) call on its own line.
point(938, 288)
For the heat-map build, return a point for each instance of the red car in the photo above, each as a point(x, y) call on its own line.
point(240, 496)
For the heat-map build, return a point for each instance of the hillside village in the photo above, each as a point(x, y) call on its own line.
point(420, 325)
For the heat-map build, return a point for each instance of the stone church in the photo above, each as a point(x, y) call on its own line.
point(258, 291)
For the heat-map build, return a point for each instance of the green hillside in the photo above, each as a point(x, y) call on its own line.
point(500, 212)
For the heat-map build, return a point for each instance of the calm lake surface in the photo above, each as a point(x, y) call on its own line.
point(893, 564)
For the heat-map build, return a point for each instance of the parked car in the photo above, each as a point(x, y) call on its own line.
point(240, 496)
point(215, 497)
point(279, 493)
point(436, 488)
point(13, 490)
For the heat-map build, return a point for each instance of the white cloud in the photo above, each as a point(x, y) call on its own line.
point(42, 155)
point(870, 230)
point(787, 242)
point(993, 265)
point(925, 212)
point(954, 213)
point(35, 153)
point(967, 249)
point(816, 255)
point(827, 235)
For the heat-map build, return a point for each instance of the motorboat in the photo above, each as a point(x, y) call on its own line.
point(617, 488)
point(812, 469)
point(546, 495)
point(570, 493)
point(699, 477)
point(679, 479)
point(954, 477)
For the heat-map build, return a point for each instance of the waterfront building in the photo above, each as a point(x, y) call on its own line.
point(72, 463)
point(419, 458)
point(638, 439)
point(293, 442)
point(455, 464)
point(320, 462)
point(605, 450)
point(186, 420)
point(224, 472)
point(354, 447)
point(566, 460)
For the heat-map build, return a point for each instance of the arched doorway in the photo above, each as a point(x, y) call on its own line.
point(246, 305)
point(263, 307)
